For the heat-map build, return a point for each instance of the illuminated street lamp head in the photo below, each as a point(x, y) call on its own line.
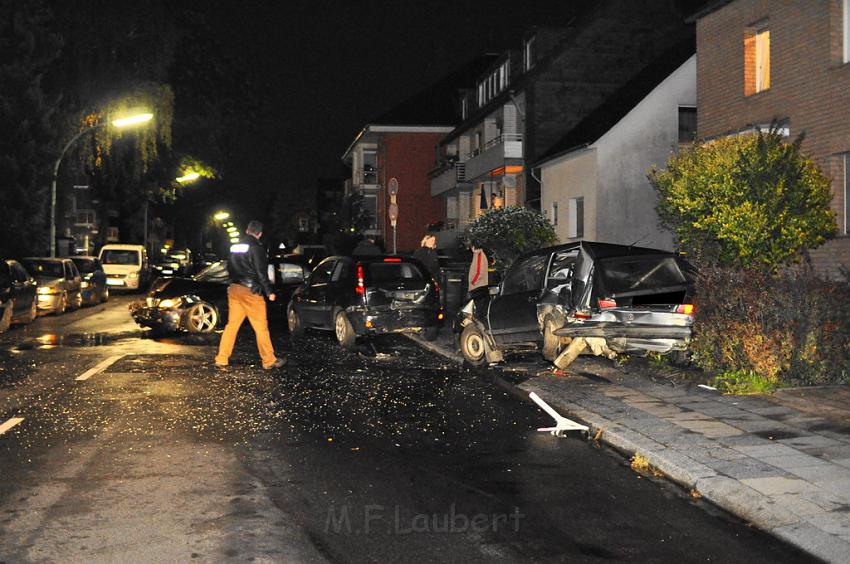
point(132, 120)
point(234, 239)
point(222, 215)
point(231, 229)
point(188, 177)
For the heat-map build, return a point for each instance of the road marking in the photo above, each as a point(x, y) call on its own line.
point(9, 424)
point(100, 367)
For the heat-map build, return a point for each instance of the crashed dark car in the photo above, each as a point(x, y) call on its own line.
point(199, 304)
point(585, 296)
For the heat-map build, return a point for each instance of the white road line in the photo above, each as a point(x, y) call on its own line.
point(100, 367)
point(9, 424)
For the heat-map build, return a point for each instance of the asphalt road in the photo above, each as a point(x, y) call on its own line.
point(385, 454)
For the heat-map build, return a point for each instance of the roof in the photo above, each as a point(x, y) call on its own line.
point(601, 250)
point(618, 105)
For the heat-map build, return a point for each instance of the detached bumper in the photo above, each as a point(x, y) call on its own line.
point(156, 318)
point(625, 331)
point(376, 321)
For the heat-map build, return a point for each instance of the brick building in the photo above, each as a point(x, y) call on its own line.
point(761, 62)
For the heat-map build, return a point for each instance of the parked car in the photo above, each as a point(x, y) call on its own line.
point(315, 253)
point(610, 298)
point(94, 287)
point(18, 298)
point(165, 267)
point(59, 284)
point(126, 266)
point(367, 296)
point(199, 304)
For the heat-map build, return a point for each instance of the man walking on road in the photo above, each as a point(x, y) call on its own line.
point(249, 282)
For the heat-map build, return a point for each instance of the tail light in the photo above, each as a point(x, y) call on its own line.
point(606, 303)
point(687, 309)
point(361, 284)
point(392, 259)
point(582, 314)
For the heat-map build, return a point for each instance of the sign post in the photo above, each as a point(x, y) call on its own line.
point(392, 190)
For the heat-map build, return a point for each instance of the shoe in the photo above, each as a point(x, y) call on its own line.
point(221, 367)
point(276, 364)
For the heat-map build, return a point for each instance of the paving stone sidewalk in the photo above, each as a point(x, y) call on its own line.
point(780, 462)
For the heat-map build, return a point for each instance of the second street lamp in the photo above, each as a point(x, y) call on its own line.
point(123, 122)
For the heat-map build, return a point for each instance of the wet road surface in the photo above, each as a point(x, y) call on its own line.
point(385, 454)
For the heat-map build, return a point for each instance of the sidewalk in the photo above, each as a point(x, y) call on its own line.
point(780, 462)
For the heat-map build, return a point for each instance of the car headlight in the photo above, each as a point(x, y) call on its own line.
point(134, 274)
point(169, 303)
point(46, 290)
point(84, 284)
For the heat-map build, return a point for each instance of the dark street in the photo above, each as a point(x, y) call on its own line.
point(391, 454)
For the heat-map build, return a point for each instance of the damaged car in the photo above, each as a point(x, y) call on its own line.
point(582, 297)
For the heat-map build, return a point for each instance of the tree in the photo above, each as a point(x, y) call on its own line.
point(745, 201)
point(506, 233)
point(27, 115)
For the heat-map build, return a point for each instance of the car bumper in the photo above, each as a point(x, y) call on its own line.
point(156, 318)
point(125, 283)
point(49, 302)
point(376, 321)
point(625, 338)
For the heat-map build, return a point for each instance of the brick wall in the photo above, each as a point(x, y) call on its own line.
point(408, 157)
point(810, 86)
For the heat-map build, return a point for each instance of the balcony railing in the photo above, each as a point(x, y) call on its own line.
point(450, 177)
point(494, 154)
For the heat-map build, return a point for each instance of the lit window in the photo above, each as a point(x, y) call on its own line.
point(528, 54)
point(575, 228)
point(756, 60)
point(687, 124)
point(554, 213)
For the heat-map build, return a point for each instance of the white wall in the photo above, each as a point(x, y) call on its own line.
point(572, 176)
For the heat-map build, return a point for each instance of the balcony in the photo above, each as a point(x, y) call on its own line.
point(448, 178)
point(495, 153)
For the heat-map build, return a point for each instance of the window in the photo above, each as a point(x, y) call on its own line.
point(687, 124)
point(756, 59)
point(339, 272)
point(322, 274)
point(526, 276)
point(289, 272)
point(575, 225)
point(18, 272)
point(846, 21)
point(370, 167)
point(554, 213)
point(528, 54)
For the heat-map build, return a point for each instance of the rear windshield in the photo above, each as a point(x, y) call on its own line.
point(45, 268)
point(214, 273)
point(115, 256)
point(633, 276)
point(378, 272)
point(84, 266)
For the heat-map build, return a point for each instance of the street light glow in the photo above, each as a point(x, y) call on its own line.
point(234, 239)
point(188, 177)
point(222, 215)
point(231, 229)
point(132, 120)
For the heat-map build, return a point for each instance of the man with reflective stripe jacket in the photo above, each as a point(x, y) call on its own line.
point(249, 282)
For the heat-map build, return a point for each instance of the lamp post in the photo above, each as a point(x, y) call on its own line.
point(132, 120)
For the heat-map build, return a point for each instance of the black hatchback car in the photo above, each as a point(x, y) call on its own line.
point(359, 296)
point(608, 298)
point(199, 304)
point(18, 299)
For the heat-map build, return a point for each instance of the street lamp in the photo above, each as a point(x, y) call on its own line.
point(221, 216)
point(188, 177)
point(185, 179)
point(123, 122)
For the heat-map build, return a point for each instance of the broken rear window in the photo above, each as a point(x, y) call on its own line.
point(639, 275)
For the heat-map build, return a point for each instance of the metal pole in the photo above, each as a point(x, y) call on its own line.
point(394, 250)
point(146, 224)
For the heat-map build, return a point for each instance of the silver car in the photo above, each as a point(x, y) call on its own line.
point(59, 284)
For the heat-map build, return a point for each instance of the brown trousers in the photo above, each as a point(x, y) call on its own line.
point(242, 303)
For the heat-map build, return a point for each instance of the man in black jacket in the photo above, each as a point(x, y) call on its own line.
point(249, 282)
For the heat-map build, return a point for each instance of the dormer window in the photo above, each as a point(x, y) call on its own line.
point(464, 107)
point(528, 53)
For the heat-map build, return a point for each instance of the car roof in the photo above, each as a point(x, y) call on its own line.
point(83, 257)
point(600, 250)
point(123, 247)
point(47, 259)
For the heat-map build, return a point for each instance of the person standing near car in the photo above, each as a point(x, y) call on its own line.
point(249, 282)
point(427, 255)
point(478, 270)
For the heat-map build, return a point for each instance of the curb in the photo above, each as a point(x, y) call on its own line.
point(726, 493)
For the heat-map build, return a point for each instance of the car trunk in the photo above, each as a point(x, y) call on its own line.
point(395, 284)
point(652, 282)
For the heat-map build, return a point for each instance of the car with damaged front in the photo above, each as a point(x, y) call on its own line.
point(582, 297)
point(199, 304)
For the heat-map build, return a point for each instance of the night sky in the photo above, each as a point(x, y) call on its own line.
point(328, 67)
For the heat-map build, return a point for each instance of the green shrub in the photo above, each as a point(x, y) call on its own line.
point(506, 233)
point(743, 382)
point(790, 329)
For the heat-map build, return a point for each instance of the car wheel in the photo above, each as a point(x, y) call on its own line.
point(104, 296)
point(78, 300)
point(201, 318)
point(293, 320)
point(33, 312)
point(6, 318)
point(551, 343)
point(430, 333)
point(63, 304)
point(343, 330)
point(472, 345)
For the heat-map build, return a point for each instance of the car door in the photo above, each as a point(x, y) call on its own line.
point(314, 297)
point(73, 280)
point(512, 316)
point(23, 288)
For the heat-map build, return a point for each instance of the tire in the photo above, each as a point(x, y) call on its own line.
point(343, 330)
point(63, 304)
point(6, 318)
point(201, 318)
point(104, 296)
point(293, 321)
point(430, 333)
point(33, 312)
point(552, 346)
point(78, 301)
point(472, 345)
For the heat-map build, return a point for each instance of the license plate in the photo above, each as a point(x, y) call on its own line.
point(114, 282)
